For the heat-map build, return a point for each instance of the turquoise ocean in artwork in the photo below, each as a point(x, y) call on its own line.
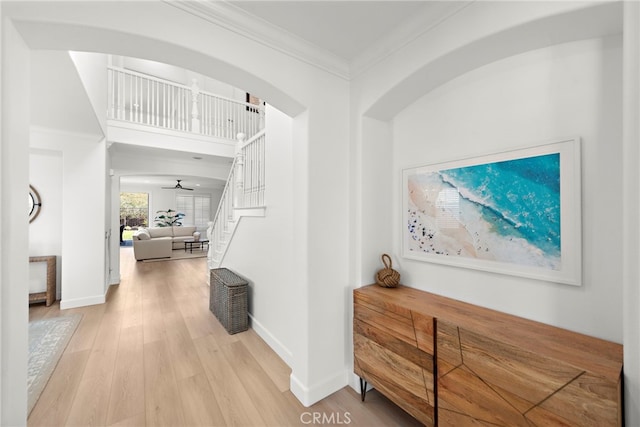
point(520, 197)
point(517, 200)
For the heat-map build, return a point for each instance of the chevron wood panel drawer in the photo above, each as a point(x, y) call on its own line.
point(480, 366)
point(511, 386)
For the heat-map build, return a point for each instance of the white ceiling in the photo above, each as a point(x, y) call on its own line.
point(344, 28)
point(192, 165)
point(194, 182)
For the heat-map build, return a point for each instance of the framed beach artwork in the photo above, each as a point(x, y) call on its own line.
point(515, 212)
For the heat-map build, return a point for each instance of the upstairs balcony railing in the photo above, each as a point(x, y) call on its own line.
point(142, 99)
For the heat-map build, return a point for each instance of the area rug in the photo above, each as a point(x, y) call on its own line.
point(180, 254)
point(47, 340)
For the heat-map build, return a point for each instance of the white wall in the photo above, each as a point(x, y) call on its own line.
point(262, 247)
point(45, 232)
point(631, 225)
point(90, 69)
point(570, 89)
point(83, 218)
point(54, 77)
point(14, 272)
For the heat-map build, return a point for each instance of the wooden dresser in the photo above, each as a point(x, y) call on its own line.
point(450, 363)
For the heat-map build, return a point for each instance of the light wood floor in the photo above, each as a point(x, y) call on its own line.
point(154, 355)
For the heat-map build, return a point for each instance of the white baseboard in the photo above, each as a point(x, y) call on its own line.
point(310, 395)
point(354, 382)
point(282, 351)
point(82, 302)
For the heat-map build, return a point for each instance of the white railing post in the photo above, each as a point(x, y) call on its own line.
point(238, 200)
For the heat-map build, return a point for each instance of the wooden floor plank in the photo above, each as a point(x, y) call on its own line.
point(85, 334)
point(88, 408)
point(152, 316)
point(199, 321)
point(136, 420)
point(199, 402)
point(162, 398)
point(232, 397)
point(184, 358)
point(133, 305)
point(127, 388)
point(273, 366)
point(264, 394)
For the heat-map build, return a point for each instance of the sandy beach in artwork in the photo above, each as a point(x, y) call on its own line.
point(441, 222)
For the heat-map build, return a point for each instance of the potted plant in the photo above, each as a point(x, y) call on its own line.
point(168, 218)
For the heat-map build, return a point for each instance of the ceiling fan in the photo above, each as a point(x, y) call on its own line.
point(178, 186)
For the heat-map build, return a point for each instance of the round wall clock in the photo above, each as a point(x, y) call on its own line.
point(35, 204)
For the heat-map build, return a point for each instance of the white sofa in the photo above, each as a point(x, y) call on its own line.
point(158, 242)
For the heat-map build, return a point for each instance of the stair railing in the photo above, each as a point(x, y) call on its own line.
point(243, 191)
point(143, 99)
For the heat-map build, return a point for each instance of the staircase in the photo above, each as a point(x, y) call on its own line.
point(243, 195)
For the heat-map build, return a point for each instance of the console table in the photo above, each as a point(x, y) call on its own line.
point(49, 296)
point(450, 363)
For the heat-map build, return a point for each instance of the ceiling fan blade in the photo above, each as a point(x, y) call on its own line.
point(178, 186)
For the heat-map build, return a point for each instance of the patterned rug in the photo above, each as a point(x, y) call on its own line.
point(47, 340)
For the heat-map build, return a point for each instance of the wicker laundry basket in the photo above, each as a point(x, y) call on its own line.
point(228, 299)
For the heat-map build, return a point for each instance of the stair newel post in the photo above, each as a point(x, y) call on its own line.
point(238, 194)
point(195, 114)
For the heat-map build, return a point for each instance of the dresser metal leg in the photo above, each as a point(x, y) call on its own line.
point(363, 388)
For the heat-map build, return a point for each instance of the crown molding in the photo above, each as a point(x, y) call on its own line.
point(415, 27)
point(235, 19)
point(241, 22)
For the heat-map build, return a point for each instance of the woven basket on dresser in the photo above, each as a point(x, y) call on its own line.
point(228, 300)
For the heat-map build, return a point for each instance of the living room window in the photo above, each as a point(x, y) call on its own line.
point(196, 208)
point(134, 213)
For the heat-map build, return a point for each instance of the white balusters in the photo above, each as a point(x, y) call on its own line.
point(238, 201)
point(195, 119)
point(147, 100)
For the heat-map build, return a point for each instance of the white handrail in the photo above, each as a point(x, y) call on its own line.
point(148, 100)
point(244, 189)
